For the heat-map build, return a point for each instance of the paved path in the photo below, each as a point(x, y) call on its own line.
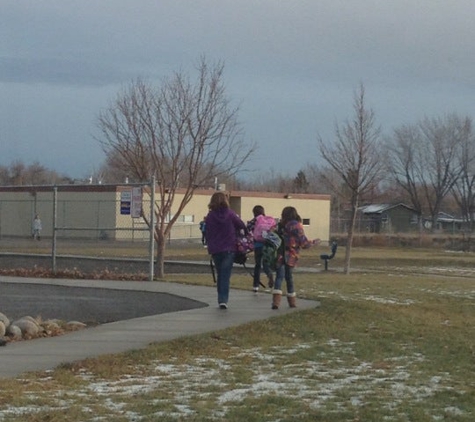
point(47, 353)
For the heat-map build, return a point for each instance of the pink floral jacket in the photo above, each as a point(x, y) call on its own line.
point(294, 240)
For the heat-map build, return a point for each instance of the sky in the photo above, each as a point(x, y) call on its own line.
point(291, 66)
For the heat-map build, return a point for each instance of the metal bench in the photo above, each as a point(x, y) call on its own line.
point(326, 257)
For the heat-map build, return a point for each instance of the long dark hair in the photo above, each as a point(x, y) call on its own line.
point(218, 200)
point(289, 214)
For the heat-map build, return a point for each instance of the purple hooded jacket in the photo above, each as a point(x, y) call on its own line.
point(221, 228)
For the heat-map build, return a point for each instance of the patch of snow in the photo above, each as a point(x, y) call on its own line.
point(327, 377)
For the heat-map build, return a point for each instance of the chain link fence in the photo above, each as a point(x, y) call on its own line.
point(101, 224)
point(398, 226)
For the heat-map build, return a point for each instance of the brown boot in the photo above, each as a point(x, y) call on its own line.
point(292, 299)
point(276, 298)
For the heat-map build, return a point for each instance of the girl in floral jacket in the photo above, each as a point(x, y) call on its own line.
point(291, 230)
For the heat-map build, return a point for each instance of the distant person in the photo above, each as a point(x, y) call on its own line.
point(291, 230)
point(36, 228)
point(252, 226)
point(222, 224)
point(203, 230)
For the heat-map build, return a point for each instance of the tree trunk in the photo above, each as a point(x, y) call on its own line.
point(349, 242)
point(159, 263)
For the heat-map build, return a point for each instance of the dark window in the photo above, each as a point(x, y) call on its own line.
point(306, 221)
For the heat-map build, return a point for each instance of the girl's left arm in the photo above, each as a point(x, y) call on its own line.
point(303, 242)
point(239, 224)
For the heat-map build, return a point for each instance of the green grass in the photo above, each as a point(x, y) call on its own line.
point(385, 345)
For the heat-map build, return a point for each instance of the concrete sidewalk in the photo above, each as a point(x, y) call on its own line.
point(47, 353)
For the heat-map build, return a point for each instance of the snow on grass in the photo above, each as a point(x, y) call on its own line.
point(326, 379)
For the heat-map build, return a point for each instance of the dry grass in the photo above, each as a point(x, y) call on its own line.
point(385, 345)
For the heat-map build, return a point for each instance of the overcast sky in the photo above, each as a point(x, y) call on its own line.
point(292, 66)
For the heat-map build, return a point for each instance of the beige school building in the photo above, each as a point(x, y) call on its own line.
point(107, 211)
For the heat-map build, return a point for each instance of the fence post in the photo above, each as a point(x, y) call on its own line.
point(55, 212)
point(152, 229)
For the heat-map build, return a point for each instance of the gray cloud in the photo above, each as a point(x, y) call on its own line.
point(291, 65)
point(58, 71)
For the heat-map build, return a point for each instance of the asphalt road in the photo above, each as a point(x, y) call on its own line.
point(91, 306)
point(88, 305)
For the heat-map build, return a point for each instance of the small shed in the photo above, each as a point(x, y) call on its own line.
point(389, 218)
point(449, 224)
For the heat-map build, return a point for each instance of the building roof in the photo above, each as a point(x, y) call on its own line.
point(380, 208)
point(444, 217)
point(122, 187)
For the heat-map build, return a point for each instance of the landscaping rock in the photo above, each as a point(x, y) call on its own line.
point(31, 319)
point(14, 332)
point(29, 329)
point(4, 319)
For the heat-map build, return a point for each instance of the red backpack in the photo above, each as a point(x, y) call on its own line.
point(264, 223)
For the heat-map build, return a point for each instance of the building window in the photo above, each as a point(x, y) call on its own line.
point(181, 219)
point(306, 221)
point(188, 218)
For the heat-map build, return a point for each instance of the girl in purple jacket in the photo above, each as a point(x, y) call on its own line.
point(222, 224)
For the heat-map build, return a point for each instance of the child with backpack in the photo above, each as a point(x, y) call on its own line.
point(258, 226)
point(291, 231)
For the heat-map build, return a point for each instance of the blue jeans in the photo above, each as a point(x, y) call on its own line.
point(257, 267)
point(284, 271)
point(223, 261)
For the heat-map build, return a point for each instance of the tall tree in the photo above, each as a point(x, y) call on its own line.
point(184, 132)
point(464, 188)
point(403, 162)
point(355, 157)
point(301, 183)
point(424, 159)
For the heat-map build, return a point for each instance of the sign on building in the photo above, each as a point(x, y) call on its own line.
point(125, 202)
point(136, 206)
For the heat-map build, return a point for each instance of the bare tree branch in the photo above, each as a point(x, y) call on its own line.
point(356, 158)
point(425, 160)
point(184, 132)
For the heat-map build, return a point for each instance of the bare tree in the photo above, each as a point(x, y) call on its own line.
point(300, 182)
point(183, 132)
point(314, 176)
point(464, 188)
point(19, 173)
point(424, 159)
point(404, 163)
point(355, 157)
